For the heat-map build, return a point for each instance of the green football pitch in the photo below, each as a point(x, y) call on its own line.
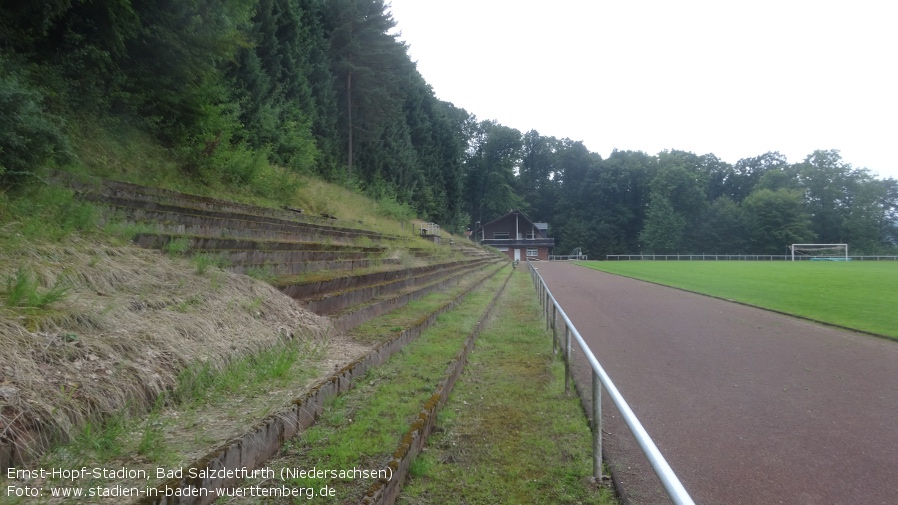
point(860, 295)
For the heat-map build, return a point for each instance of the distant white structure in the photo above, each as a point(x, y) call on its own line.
point(819, 252)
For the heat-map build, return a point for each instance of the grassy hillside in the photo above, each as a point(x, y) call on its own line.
point(69, 283)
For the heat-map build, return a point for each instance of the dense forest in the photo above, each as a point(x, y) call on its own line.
point(325, 87)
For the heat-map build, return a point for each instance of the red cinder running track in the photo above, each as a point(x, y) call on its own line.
point(747, 406)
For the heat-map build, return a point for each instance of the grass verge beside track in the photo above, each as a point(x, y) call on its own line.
point(508, 433)
point(857, 295)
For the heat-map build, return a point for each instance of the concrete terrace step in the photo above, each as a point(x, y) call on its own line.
point(128, 192)
point(399, 282)
point(283, 269)
point(278, 257)
point(183, 219)
point(354, 315)
point(160, 205)
point(214, 244)
point(308, 289)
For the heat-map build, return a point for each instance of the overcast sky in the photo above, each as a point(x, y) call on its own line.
point(736, 79)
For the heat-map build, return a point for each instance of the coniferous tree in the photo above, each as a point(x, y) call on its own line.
point(370, 66)
point(272, 87)
point(664, 227)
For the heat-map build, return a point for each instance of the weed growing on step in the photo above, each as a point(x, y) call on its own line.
point(96, 440)
point(201, 383)
point(264, 273)
point(152, 444)
point(204, 261)
point(23, 290)
point(122, 231)
point(177, 246)
point(364, 241)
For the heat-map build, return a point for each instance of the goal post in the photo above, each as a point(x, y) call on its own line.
point(819, 252)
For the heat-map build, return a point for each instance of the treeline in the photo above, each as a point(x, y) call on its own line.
point(315, 86)
point(680, 202)
point(325, 87)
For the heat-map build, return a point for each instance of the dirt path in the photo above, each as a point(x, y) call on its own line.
point(747, 406)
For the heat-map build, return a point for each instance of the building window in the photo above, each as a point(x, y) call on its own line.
point(502, 235)
point(503, 249)
point(532, 252)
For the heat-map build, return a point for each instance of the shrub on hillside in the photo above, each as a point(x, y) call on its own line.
point(29, 136)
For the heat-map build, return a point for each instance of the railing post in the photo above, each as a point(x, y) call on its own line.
point(554, 330)
point(597, 428)
point(567, 360)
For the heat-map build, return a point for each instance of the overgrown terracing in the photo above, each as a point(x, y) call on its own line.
point(367, 428)
point(229, 400)
point(215, 418)
point(190, 372)
point(351, 275)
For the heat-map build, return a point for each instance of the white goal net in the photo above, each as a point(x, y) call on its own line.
point(819, 252)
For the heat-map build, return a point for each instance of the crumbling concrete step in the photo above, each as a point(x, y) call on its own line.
point(214, 244)
point(322, 287)
point(334, 302)
point(279, 258)
point(97, 189)
point(89, 186)
point(353, 316)
point(293, 268)
point(257, 258)
point(141, 211)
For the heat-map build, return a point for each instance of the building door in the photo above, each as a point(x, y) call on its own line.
point(517, 255)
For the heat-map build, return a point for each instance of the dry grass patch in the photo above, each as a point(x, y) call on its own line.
point(129, 323)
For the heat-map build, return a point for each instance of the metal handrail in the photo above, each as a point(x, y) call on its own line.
point(565, 257)
point(669, 480)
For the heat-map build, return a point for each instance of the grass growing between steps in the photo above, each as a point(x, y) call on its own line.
point(383, 328)
point(508, 433)
point(362, 428)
